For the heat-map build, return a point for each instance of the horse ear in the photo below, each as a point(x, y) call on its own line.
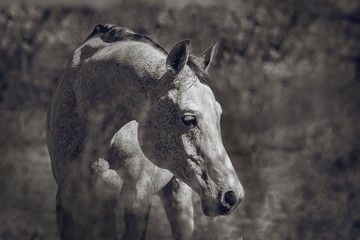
point(178, 57)
point(206, 57)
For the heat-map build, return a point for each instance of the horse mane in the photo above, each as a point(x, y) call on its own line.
point(199, 71)
point(111, 33)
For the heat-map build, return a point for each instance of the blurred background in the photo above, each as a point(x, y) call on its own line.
point(287, 75)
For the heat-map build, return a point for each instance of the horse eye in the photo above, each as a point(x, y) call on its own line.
point(189, 120)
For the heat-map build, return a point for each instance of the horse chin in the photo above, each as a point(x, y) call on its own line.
point(208, 211)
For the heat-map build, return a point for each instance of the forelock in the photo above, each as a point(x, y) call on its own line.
point(199, 72)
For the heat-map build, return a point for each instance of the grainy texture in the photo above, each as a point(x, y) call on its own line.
point(287, 77)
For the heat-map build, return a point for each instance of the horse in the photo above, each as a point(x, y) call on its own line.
point(126, 121)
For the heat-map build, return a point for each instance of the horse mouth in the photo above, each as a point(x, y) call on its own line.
point(224, 205)
point(215, 211)
point(224, 210)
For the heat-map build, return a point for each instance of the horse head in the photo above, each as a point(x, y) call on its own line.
point(180, 131)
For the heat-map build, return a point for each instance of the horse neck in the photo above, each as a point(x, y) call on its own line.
point(119, 79)
point(142, 68)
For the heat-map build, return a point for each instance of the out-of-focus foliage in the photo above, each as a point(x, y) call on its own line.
point(287, 75)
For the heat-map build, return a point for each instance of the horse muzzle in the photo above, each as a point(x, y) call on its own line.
point(229, 200)
point(225, 203)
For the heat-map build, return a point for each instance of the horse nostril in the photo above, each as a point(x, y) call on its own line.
point(228, 202)
point(230, 198)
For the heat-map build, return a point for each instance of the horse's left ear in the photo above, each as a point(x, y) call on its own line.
point(206, 57)
point(178, 57)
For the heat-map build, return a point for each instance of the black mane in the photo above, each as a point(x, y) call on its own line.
point(199, 71)
point(112, 33)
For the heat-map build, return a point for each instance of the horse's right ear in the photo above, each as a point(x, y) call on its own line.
point(206, 58)
point(177, 57)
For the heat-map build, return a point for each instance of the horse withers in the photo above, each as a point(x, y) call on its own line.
point(127, 121)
